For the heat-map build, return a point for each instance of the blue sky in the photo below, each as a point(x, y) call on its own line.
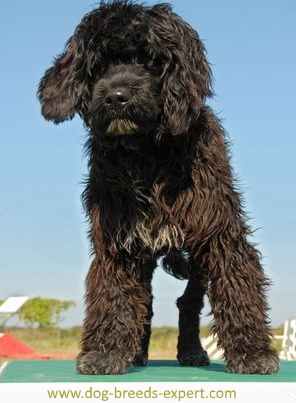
point(44, 250)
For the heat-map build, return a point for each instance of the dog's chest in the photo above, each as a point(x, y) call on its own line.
point(142, 198)
point(155, 226)
point(157, 236)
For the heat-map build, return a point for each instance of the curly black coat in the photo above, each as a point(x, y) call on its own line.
point(159, 184)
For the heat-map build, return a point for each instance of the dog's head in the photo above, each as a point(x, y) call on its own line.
point(129, 68)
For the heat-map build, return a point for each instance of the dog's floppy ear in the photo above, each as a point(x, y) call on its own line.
point(59, 91)
point(186, 76)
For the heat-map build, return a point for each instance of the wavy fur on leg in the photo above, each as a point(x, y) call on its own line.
point(115, 318)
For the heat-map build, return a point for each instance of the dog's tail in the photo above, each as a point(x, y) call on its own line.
point(176, 263)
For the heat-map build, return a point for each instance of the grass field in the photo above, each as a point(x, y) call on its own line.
point(64, 343)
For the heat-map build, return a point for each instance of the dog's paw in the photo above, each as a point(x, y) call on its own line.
point(140, 360)
point(97, 363)
point(194, 359)
point(262, 363)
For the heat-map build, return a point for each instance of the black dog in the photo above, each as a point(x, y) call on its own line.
point(160, 184)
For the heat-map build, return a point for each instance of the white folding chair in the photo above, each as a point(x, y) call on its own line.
point(288, 351)
point(10, 307)
point(210, 345)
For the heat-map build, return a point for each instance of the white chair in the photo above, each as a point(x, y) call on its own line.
point(10, 307)
point(210, 345)
point(288, 351)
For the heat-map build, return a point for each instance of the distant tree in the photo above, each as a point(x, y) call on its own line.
point(44, 312)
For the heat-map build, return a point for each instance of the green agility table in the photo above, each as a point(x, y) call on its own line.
point(156, 371)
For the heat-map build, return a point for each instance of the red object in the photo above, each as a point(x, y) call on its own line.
point(11, 347)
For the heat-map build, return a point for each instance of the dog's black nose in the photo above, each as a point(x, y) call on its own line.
point(118, 97)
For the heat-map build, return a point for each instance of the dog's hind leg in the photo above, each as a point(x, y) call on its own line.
point(190, 351)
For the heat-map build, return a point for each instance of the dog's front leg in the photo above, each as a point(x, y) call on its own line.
point(237, 288)
point(116, 311)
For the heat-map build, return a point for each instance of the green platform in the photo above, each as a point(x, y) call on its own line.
point(156, 371)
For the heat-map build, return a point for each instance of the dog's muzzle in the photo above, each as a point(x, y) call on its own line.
point(122, 127)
